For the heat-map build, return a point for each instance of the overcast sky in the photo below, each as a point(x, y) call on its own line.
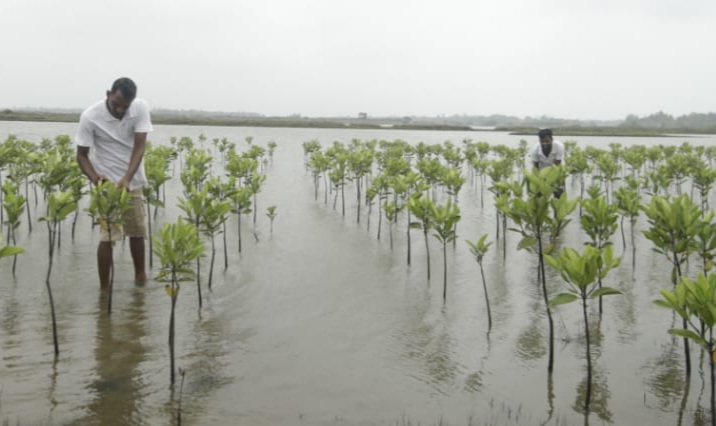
point(588, 59)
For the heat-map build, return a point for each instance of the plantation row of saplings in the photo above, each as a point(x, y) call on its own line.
point(207, 203)
point(420, 184)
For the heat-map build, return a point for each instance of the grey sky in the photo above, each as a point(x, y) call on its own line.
point(584, 59)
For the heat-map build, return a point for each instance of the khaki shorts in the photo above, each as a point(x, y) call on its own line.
point(134, 220)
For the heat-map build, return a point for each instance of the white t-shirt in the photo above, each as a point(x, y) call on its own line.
point(111, 140)
point(557, 154)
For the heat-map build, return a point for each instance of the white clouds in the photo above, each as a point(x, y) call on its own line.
point(317, 57)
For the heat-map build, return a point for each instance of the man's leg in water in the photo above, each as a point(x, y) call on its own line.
point(136, 246)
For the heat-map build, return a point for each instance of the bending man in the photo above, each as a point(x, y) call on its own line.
point(114, 130)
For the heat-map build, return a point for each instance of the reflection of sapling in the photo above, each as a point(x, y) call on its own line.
point(107, 205)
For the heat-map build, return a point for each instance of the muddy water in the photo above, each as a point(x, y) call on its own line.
point(321, 323)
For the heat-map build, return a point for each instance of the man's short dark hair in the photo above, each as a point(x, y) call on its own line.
point(126, 86)
point(544, 133)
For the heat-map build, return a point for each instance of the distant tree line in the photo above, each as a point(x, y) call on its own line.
point(662, 120)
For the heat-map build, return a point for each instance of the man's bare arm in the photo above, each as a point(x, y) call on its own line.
point(140, 141)
point(86, 165)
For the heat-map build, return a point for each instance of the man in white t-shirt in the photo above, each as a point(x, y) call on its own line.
point(548, 152)
point(110, 143)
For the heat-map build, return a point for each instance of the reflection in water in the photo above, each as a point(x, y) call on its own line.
point(667, 379)
point(204, 365)
point(118, 353)
point(531, 344)
point(431, 345)
point(599, 403)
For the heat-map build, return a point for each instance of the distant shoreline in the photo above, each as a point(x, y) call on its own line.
point(351, 123)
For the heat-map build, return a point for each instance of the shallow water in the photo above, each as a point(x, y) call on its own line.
point(321, 323)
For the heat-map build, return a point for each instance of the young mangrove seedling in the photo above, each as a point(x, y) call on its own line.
point(14, 204)
point(178, 245)
point(532, 217)
point(213, 217)
point(599, 222)
point(420, 206)
point(478, 249)
point(444, 220)
point(59, 206)
point(673, 226)
point(581, 272)
point(693, 301)
point(108, 203)
point(271, 213)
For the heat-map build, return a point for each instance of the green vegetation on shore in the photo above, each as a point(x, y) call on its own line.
point(190, 119)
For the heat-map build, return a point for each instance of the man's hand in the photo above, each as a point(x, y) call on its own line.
point(99, 178)
point(123, 183)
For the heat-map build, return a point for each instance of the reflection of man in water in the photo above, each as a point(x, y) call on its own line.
point(548, 152)
point(119, 388)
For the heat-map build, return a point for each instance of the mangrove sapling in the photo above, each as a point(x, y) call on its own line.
point(360, 163)
point(706, 242)
point(479, 167)
point(57, 168)
point(415, 185)
point(444, 220)
point(420, 206)
point(673, 226)
point(430, 169)
point(78, 185)
point(703, 178)
point(223, 190)
point(196, 171)
point(108, 203)
point(579, 166)
point(581, 272)
point(532, 218)
point(254, 183)
point(478, 249)
point(499, 171)
point(608, 170)
point(178, 245)
point(380, 188)
point(453, 180)
point(156, 166)
point(13, 203)
point(628, 202)
point(391, 210)
point(678, 167)
point(319, 165)
point(241, 199)
point(194, 205)
point(658, 181)
point(271, 145)
point(213, 217)
point(562, 207)
point(59, 206)
point(271, 214)
point(309, 148)
point(694, 302)
point(599, 222)
point(338, 175)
